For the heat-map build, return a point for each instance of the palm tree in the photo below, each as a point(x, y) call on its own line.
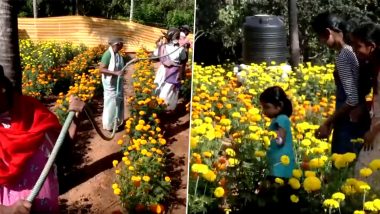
point(9, 47)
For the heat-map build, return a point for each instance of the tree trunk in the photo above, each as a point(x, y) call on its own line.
point(76, 8)
point(293, 33)
point(35, 8)
point(131, 11)
point(9, 47)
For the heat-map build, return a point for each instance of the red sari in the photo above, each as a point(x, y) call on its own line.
point(26, 141)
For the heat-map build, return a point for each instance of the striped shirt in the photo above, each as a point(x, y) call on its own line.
point(347, 68)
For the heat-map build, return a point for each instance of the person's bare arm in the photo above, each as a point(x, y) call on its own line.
point(20, 207)
point(103, 69)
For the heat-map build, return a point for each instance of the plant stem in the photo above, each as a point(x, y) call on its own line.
point(196, 186)
point(364, 198)
point(204, 191)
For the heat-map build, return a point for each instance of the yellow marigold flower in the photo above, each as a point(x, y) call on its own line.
point(144, 151)
point(117, 171)
point(115, 162)
point(207, 154)
point(285, 160)
point(117, 191)
point(338, 196)
point(365, 172)
point(297, 173)
point(233, 162)
point(210, 176)
point(219, 192)
point(335, 156)
point(331, 203)
point(146, 178)
point(374, 164)
point(365, 187)
point(199, 168)
point(306, 142)
point(349, 157)
point(369, 206)
point(236, 114)
point(311, 184)
point(194, 142)
point(316, 163)
point(279, 181)
point(208, 120)
point(115, 185)
point(141, 113)
point(310, 174)
point(131, 168)
point(162, 141)
point(294, 198)
point(359, 212)
point(340, 162)
point(167, 179)
point(294, 183)
point(135, 178)
point(260, 154)
point(120, 142)
point(376, 203)
point(230, 152)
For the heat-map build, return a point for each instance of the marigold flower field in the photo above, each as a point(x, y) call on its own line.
point(229, 140)
point(61, 69)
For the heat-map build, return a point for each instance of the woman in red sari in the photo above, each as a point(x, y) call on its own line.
point(28, 131)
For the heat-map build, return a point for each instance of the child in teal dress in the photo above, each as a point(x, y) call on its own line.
point(278, 108)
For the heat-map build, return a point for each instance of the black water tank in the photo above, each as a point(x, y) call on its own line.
point(264, 39)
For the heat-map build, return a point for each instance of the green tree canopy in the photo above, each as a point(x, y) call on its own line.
point(160, 13)
point(222, 21)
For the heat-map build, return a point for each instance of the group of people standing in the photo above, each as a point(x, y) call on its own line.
point(357, 68)
point(172, 52)
point(356, 72)
point(28, 130)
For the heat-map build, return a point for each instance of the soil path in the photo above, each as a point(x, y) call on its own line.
point(86, 173)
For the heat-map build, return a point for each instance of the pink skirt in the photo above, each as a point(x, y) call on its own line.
point(47, 199)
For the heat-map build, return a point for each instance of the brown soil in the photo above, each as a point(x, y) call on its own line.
point(85, 166)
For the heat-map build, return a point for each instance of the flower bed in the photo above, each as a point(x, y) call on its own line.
point(142, 183)
point(40, 64)
point(229, 140)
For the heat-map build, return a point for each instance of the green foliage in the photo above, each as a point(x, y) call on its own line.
point(162, 13)
point(224, 20)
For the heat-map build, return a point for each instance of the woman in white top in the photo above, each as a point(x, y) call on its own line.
point(168, 74)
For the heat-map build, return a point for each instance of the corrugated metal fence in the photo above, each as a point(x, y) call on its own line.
point(89, 31)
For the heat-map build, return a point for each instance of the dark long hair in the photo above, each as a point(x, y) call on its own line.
point(335, 23)
point(369, 33)
point(276, 96)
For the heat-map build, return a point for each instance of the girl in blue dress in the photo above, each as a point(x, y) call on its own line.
point(278, 107)
point(280, 156)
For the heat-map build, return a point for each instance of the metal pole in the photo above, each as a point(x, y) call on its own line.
point(131, 11)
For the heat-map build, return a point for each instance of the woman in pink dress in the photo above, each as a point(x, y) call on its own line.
point(28, 131)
